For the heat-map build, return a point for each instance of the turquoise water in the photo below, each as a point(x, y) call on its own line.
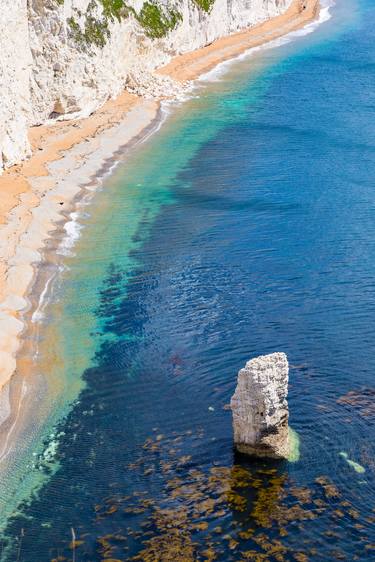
point(243, 226)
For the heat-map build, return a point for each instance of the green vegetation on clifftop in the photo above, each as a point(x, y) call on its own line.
point(155, 21)
point(99, 14)
point(115, 9)
point(205, 5)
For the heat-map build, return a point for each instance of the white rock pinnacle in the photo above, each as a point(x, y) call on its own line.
point(260, 408)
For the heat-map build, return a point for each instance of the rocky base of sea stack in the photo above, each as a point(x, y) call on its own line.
point(260, 408)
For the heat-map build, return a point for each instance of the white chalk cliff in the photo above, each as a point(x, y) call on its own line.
point(64, 58)
point(260, 408)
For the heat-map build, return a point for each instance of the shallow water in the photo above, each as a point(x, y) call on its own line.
point(244, 226)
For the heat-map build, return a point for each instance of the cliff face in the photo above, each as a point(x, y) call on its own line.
point(64, 58)
point(260, 408)
point(15, 67)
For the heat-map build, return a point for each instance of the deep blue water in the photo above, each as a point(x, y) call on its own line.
point(265, 244)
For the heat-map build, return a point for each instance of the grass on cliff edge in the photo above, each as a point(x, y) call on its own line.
point(156, 21)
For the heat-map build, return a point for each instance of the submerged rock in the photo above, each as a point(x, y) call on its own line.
point(260, 408)
point(355, 465)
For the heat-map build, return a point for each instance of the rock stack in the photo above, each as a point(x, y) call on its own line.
point(260, 408)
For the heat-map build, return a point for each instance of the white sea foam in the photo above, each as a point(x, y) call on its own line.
point(38, 313)
point(73, 229)
point(164, 113)
point(43, 301)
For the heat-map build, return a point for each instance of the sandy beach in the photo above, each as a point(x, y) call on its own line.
point(67, 156)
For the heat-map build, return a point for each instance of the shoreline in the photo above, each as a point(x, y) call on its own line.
point(18, 396)
point(192, 65)
point(40, 194)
